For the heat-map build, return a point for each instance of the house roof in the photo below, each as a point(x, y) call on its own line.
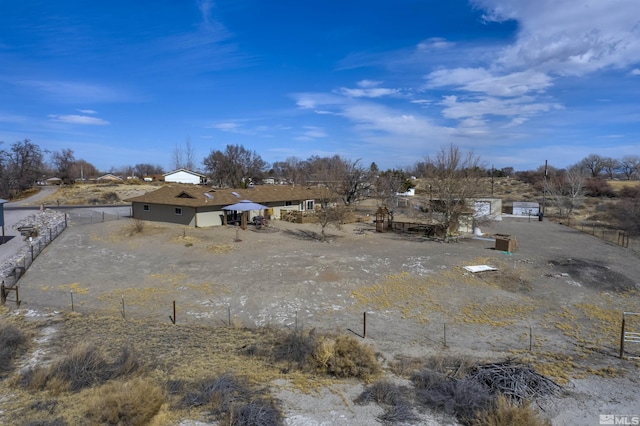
point(191, 172)
point(109, 176)
point(190, 196)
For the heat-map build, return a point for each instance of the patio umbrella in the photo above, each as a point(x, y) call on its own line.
point(244, 206)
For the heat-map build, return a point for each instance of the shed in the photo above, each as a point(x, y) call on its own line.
point(525, 208)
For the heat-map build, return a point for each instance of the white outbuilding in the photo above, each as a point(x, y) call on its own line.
point(185, 176)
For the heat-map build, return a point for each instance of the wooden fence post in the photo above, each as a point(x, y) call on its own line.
point(622, 338)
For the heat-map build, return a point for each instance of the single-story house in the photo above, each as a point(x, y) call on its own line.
point(184, 176)
point(203, 207)
point(53, 181)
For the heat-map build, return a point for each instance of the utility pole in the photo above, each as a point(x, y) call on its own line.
point(544, 189)
point(492, 180)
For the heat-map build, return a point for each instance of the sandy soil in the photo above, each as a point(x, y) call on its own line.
point(561, 293)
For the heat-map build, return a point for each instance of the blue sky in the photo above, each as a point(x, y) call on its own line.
point(516, 81)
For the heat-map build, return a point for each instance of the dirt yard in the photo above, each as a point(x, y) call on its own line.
point(561, 294)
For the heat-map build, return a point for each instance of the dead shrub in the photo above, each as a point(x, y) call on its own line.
point(110, 197)
point(82, 368)
point(11, 341)
point(352, 359)
point(258, 412)
point(231, 400)
point(393, 398)
point(404, 366)
point(134, 402)
point(451, 366)
point(297, 348)
point(506, 412)
point(219, 392)
point(461, 398)
point(137, 227)
point(382, 392)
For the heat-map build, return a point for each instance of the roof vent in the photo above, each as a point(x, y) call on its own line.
point(209, 196)
point(235, 194)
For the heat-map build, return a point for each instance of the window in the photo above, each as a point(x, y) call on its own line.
point(179, 211)
point(309, 204)
point(146, 207)
point(288, 203)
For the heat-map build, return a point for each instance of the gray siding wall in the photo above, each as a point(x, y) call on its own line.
point(164, 213)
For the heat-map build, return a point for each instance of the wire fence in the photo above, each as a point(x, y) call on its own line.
point(604, 232)
point(88, 217)
point(439, 333)
point(25, 258)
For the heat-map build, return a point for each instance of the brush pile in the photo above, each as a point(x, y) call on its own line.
point(514, 380)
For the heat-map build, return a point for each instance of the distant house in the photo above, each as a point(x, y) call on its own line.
point(109, 178)
point(53, 181)
point(184, 176)
point(202, 207)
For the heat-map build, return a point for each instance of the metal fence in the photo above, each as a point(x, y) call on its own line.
point(87, 216)
point(27, 255)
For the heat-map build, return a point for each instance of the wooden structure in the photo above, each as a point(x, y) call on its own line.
point(384, 221)
point(4, 292)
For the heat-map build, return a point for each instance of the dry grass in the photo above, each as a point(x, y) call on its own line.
point(352, 359)
point(11, 341)
point(504, 412)
point(101, 193)
point(84, 367)
point(133, 402)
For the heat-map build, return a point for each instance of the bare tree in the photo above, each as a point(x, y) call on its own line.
point(84, 169)
point(454, 178)
point(610, 166)
point(184, 156)
point(146, 169)
point(567, 190)
point(235, 167)
point(593, 163)
point(23, 165)
point(389, 183)
point(629, 166)
point(63, 161)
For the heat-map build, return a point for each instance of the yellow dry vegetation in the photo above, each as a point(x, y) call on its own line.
point(410, 295)
point(220, 248)
point(496, 314)
point(74, 287)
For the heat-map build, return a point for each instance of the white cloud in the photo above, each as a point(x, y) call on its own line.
point(227, 127)
point(482, 81)
point(635, 71)
point(78, 119)
point(376, 92)
point(67, 91)
point(435, 43)
point(368, 83)
point(87, 111)
point(487, 106)
point(568, 37)
point(315, 132)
